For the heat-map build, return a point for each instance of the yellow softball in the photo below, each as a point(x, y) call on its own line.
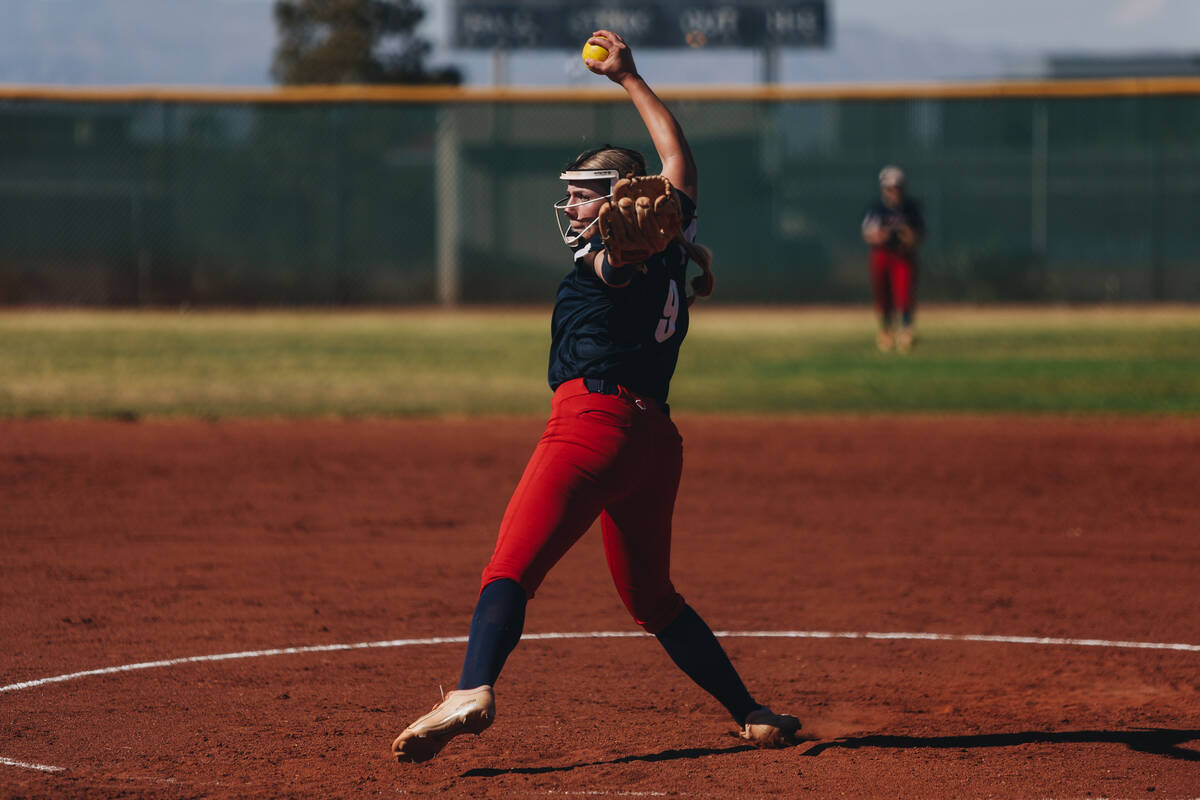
point(594, 52)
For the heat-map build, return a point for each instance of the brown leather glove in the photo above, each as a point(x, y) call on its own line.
point(641, 219)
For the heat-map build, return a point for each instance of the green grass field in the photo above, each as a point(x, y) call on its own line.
point(133, 365)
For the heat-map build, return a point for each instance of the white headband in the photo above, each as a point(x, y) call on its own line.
point(589, 174)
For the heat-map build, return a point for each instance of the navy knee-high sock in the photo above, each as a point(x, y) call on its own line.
point(495, 630)
point(691, 645)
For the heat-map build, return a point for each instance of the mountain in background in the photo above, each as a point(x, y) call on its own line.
point(111, 42)
point(230, 43)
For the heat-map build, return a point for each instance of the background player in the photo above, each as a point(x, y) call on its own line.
point(610, 449)
point(893, 227)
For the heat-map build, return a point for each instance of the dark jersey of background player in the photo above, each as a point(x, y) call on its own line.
point(909, 213)
point(629, 335)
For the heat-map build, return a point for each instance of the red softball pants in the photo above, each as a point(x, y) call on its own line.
point(893, 281)
point(616, 457)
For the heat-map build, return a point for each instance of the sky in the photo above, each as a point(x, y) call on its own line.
point(1094, 25)
point(229, 42)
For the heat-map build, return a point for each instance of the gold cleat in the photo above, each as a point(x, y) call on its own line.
point(764, 728)
point(461, 711)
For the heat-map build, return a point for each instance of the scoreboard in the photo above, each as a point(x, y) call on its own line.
point(546, 24)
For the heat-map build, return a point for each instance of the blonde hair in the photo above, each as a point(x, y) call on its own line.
point(626, 162)
point(630, 163)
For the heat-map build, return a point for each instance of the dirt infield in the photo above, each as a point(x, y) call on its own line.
point(133, 543)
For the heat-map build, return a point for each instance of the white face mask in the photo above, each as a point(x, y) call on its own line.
point(570, 238)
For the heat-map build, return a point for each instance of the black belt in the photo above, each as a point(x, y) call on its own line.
point(607, 386)
point(601, 386)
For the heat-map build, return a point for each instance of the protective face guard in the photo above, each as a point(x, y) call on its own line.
point(577, 176)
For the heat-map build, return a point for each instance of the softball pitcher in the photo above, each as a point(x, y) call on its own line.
point(610, 449)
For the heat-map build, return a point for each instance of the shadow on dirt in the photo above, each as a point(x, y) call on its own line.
point(1156, 741)
point(666, 755)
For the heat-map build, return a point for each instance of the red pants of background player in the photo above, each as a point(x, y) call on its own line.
point(893, 280)
point(613, 456)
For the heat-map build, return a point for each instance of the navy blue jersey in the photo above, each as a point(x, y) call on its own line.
point(909, 214)
point(629, 335)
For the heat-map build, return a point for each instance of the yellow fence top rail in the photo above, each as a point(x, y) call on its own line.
point(1103, 87)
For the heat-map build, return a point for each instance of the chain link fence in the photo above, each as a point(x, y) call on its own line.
point(404, 197)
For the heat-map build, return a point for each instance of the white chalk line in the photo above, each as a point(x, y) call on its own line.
point(603, 793)
point(280, 651)
point(8, 762)
point(1047, 641)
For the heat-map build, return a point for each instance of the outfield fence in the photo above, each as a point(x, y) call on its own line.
point(1035, 191)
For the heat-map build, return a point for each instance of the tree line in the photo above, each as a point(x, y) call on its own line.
point(353, 41)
